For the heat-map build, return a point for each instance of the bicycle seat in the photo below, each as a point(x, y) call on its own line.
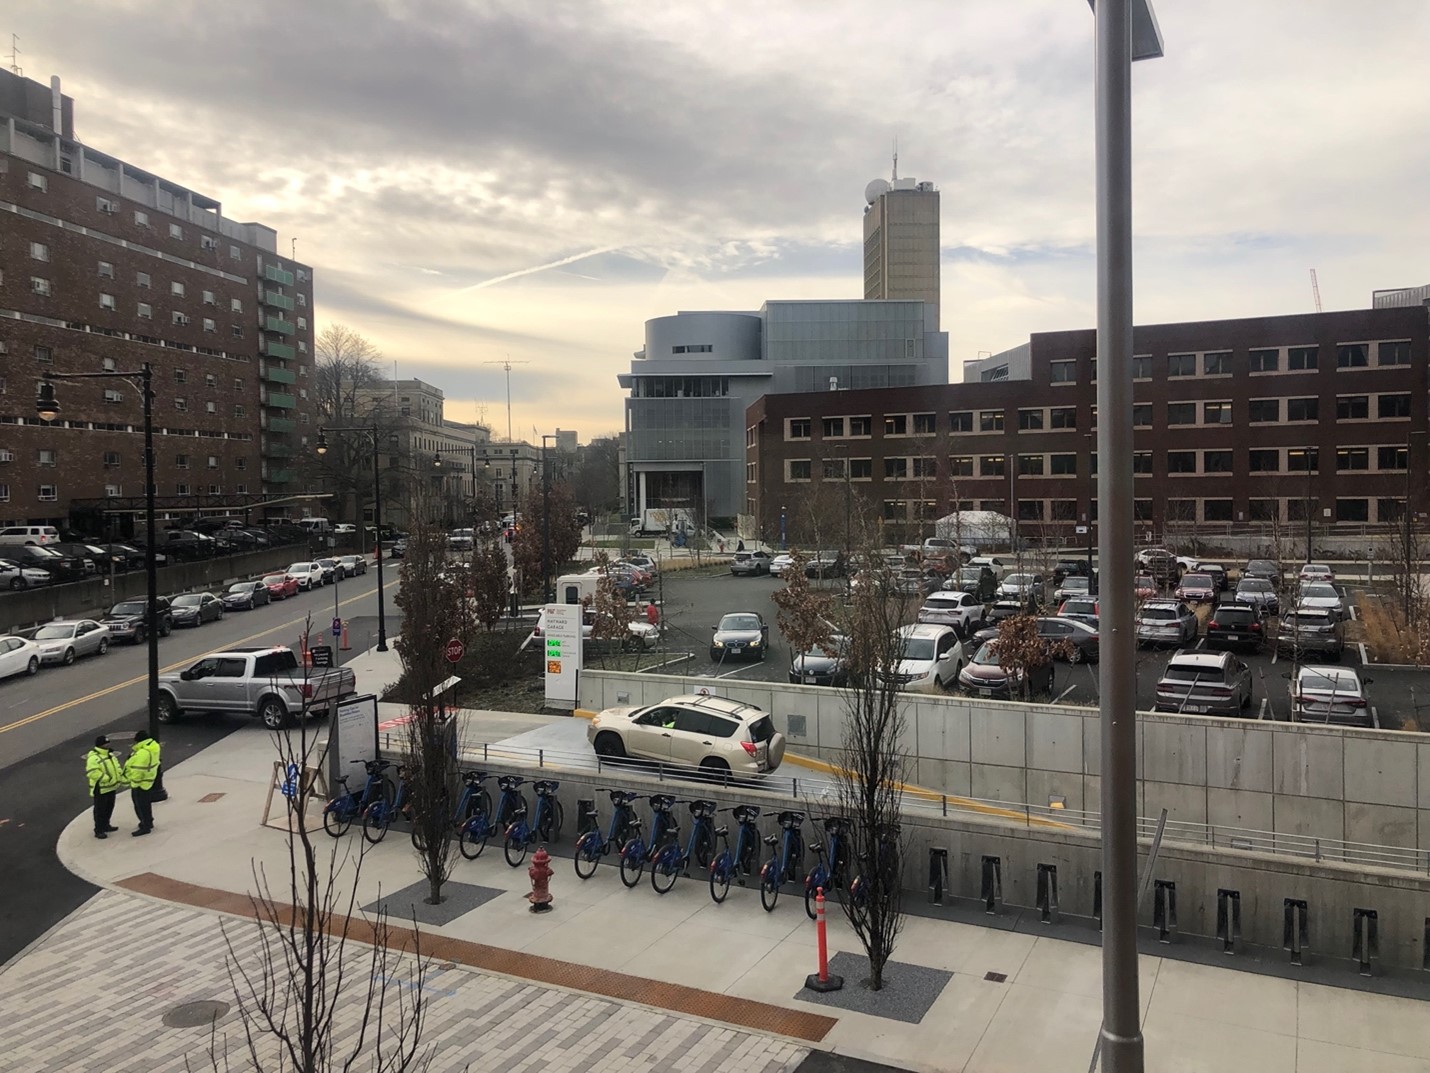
point(475, 776)
point(510, 782)
point(721, 832)
point(621, 798)
point(702, 809)
point(662, 802)
point(790, 818)
point(745, 813)
point(545, 786)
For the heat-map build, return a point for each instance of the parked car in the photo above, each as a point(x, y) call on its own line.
point(94, 559)
point(245, 596)
point(353, 565)
point(1307, 631)
point(750, 563)
point(739, 635)
point(61, 568)
point(1331, 695)
point(644, 561)
point(1233, 625)
point(1080, 609)
point(280, 586)
point(185, 544)
point(308, 574)
point(1217, 572)
point(1321, 594)
point(779, 564)
point(1165, 622)
point(1025, 588)
point(1196, 588)
point(985, 677)
point(266, 683)
point(1317, 572)
point(399, 548)
point(998, 610)
point(712, 733)
point(824, 564)
point(639, 632)
point(15, 575)
point(957, 609)
point(821, 666)
point(18, 656)
point(459, 539)
point(128, 557)
point(1211, 683)
point(972, 579)
point(916, 582)
point(930, 658)
point(29, 534)
point(127, 620)
point(993, 562)
point(332, 571)
point(1072, 586)
point(1265, 569)
point(196, 608)
point(1066, 568)
point(1082, 639)
point(1159, 563)
point(64, 642)
point(343, 529)
point(1259, 593)
point(1145, 587)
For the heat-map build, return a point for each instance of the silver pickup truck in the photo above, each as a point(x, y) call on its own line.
point(265, 683)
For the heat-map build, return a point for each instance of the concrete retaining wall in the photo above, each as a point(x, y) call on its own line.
point(1331, 783)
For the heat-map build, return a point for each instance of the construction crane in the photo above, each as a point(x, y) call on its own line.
point(507, 363)
point(1315, 290)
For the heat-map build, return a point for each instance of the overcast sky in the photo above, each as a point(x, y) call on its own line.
point(534, 179)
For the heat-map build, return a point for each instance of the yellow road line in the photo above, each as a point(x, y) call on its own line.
point(165, 670)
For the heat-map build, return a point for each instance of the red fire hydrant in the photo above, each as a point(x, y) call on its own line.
point(540, 873)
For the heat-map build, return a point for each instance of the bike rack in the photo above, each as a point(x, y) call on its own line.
point(1164, 909)
point(1048, 893)
point(1295, 933)
point(1228, 919)
point(938, 874)
point(992, 890)
point(1365, 946)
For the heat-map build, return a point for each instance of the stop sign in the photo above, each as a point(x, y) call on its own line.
point(454, 650)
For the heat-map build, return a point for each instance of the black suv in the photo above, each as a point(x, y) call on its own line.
point(1069, 568)
point(60, 567)
point(1235, 626)
point(126, 619)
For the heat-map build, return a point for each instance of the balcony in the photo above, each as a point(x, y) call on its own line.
point(281, 301)
point(277, 275)
point(283, 402)
point(277, 450)
point(279, 350)
point(279, 476)
point(274, 375)
point(284, 327)
point(281, 424)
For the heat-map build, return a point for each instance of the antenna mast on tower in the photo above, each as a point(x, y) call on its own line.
point(507, 363)
point(1315, 290)
point(896, 158)
point(15, 55)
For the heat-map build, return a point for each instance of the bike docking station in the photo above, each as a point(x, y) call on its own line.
point(822, 981)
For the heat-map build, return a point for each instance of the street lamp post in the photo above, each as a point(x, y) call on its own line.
point(545, 520)
point(49, 408)
point(371, 431)
point(1091, 440)
point(848, 501)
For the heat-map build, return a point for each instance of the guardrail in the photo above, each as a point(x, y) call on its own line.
point(916, 801)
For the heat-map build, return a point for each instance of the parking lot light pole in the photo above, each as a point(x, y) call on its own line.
point(48, 408)
point(370, 431)
point(545, 520)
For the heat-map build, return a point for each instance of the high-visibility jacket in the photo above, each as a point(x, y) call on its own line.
point(142, 766)
point(102, 767)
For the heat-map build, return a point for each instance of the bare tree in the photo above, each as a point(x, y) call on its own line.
point(528, 546)
point(803, 615)
point(345, 372)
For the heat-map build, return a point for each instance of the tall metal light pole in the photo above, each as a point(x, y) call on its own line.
point(1091, 440)
point(371, 431)
point(545, 521)
point(49, 408)
point(1307, 508)
point(848, 502)
point(1116, 20)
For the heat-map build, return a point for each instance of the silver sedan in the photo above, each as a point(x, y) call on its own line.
point(64, 642)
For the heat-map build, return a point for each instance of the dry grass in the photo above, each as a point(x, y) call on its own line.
point(1386, 636)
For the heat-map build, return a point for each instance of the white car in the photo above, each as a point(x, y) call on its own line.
point(15, 576)
point(1322, 595)
point(930, 658)
point(18, 656)
point(1331, 695)
point(64, 642)
point(993, 562)
point(957, 609)
point(309, 575)
point(1317, 572)
point(779, 564)
point(344, 529)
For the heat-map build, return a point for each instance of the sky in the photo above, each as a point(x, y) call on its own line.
point(477, 182)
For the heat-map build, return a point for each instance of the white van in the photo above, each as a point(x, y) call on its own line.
point(315, 525)
point(29, 534)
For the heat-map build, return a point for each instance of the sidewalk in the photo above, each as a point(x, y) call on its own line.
point(620, 979)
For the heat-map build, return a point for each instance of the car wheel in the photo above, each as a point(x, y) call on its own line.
point(273, 714)
point(33, 667)
point(168, 711)
point(166, 629)
point(610, 745)
point(715, 767)
point(17, 583)
point(104, 646)
point(1076, 656)
point(69, 656)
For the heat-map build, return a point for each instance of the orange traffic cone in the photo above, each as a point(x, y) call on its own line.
point(344, 646)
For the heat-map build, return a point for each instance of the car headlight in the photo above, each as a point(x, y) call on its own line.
point(755, 643)
point(719, 643)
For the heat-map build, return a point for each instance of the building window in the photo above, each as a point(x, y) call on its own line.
point(106, 301)
point(1392, 406)
point(181, 489)
point(925, 468)
point(1216, 413)
point(210, 380)
point(1181, 413)
point(141, 279)
point(1142, 510)
point(896, 469)
point(303, 323)
point(1265, 361)
point(798, 469)
point(40, 285)
point(239, 411)
point(141, 219)
point(896, 425)
point(992, 466)
point(1181, 461)
point(1030, 510)
point(1181, 510)
point(1352, 458)
point(1264, 460)
point(833, 469)
point(238, 331)
point(1263, 510)
point(302, 299)
point(1064, 510)
point(990, 420)
point(109, 365)
point(1141, 415)
point(1063, 417)
point(1181, 365)
point(39, 251)
point(1302, 359)
point(1063, 465)
point(1352, 356)
point(1216, 462)
point(925, 424)
point(1216, 510)
point(49, 493)
point(797, 428)
point(46, 456)
point(1389, 510)
point(960, 421)
point(1259, 411)
point(213, 462)
point(1392, 353)
point(235, 305)
point(833, 428)
point(176, 289)
point(1030, 465)
point(1062, 372)
point(210, 326)
point(180, 375)
point(1030, 420)
point(1141, 461)
point(1352, 407)
point(1303, 460)
point(1142, 368)
point(861, 426)
point(181, 404)
point(1303, 409)
point(181, 461)
point(1352, 510)
point(960, 466)
point(238, 386)
point(234, 252)
point(209, 298)
point(36, 181)
point(861, 469)
point(1217, 364)
point(210, 407)
point(112, 395)
point(42, 355)
point(1392, 458)
point(175, 231)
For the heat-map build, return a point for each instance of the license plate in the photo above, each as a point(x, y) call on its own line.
point(1235, 637)
point(985, 692)
point(1195, 709)
point(810, 679)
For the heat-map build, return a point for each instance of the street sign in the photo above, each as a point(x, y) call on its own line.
point(322, 656)
point(454, 650)
point(337, 627)
point(563, 653)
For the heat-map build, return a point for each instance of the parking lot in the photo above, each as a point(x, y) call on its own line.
point(694, 601)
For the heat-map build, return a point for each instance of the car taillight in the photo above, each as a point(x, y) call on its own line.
point(749, 747)
point(1256, 626)
point(1213, 625)
point(306, 690)
point(1358, 702)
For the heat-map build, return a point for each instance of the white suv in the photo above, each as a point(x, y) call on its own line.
point(29, 534)
point(947, 608)
point(930, 658)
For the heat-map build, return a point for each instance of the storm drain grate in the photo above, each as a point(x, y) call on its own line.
point(199, 1014)
point(996, 977)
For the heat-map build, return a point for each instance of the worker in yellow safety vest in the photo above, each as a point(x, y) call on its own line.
point(105, 779)
point(141, 768)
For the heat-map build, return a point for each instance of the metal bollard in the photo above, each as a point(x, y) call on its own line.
point(992, 890)
point(1164, 909)
point(1295, 932)
point(938, 874)
point(1366, 944)
point(1228, 919)
point(1048, 893)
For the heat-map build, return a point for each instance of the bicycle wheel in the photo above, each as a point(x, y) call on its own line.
point(704, 847)
point(551, 821)
point(588, 854)
point(720, 878)
point(474, 838)
point(515, 844)
point(812, 884)
point(664, 869)
point(419, 830)
point(376, 819)
point(770, 884)
point(632, 862)
point(337, 818)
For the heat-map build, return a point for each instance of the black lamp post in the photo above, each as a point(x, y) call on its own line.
point(545, 521)
point(49, 408)
point(322, 448)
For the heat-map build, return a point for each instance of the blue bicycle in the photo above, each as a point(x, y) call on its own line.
point(787, 862)
point(545, 825)
point(477, 829)
point(887, 871)
point(670, 860)
point(378, 815)
point(828, 871)
point(741, 863)
point(339, 813)
point(637, 850)
point(593, 845)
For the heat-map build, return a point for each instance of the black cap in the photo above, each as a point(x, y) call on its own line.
point(143, 734)
point(101, 740)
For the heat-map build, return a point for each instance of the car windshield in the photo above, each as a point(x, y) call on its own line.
point(1159, 614)
point(54, 633)
point(1018, 579)
point(917, 648)
point(133, 607)
point(1144, 581)
point(1321, 590)
point(275, 579)
point(1181, 673)
point(1075, 583)
point(740, 622)
point(241, 586)
point(987, 655)
point(1255, 584)
point(186, 601)
point(1193, 580)
point(1325, 683)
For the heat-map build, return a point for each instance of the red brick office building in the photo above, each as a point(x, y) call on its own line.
point(106, 267)
point(1238, 424)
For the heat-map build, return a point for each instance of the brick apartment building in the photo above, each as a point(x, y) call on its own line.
point(1239, 424)
point(105, 266)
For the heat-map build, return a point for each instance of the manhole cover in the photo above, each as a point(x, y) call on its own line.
point(199, 1014)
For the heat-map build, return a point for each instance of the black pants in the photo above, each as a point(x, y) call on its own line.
point(143, 807)
point(103, 810)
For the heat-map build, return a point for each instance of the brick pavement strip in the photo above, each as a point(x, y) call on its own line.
point(94, 992)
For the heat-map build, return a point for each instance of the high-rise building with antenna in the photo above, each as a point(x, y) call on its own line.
point(901, 241)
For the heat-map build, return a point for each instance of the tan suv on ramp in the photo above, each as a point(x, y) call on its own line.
point(714, 733)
